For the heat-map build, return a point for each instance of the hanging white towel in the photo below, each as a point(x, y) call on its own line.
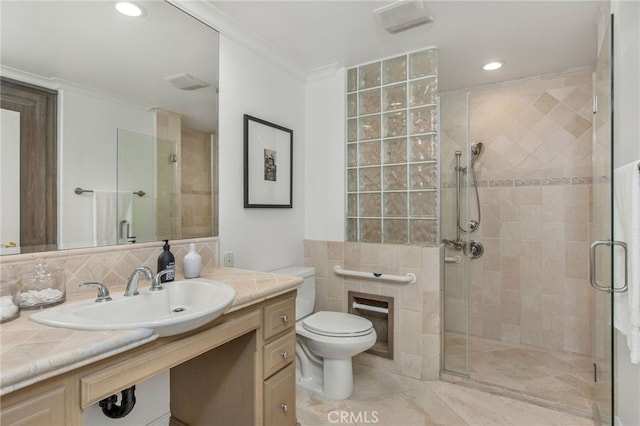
point(104, 217)
point(626, 226)
point(110, 208)
point(125, 212)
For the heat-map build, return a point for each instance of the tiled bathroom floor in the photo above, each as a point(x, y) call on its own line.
point(387, 399)
point(559, 379)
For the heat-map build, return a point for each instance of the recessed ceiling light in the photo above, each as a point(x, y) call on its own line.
point(130, 9)
point(492, 66)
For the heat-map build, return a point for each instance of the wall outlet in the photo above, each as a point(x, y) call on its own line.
point(228, 259)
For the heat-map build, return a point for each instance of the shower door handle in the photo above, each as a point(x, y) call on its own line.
point(592, 267)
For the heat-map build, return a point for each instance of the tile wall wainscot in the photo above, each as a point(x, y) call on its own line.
point(112, 265)
point(417, 306)
point(535, 182)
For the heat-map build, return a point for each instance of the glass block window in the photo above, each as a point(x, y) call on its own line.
point(392, 150)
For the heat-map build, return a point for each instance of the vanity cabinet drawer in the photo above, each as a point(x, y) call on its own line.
point(279, 316)
point(280, 398)
point(279, 353)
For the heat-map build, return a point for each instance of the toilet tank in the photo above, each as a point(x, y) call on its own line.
point(306, 298)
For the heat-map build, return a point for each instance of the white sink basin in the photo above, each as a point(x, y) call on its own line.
point(182, 306)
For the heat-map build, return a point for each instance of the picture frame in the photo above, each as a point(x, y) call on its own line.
point(268, 164)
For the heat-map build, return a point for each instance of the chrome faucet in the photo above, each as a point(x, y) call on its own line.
point(155, 284)
point(132, 283)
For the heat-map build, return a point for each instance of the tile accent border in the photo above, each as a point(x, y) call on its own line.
point(504, 183)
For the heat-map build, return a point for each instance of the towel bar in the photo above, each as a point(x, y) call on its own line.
point(81, 191)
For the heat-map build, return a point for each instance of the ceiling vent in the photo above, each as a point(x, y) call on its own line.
point(186, 82)
point(402, 15)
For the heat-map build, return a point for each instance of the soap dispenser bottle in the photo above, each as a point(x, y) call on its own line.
point(167, 261)
point(192, 263)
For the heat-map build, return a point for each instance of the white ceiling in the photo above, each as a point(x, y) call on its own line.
point(91, 45)
point(533, 37)
point(70, 40)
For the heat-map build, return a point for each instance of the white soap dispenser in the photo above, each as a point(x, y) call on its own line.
point(192, 263)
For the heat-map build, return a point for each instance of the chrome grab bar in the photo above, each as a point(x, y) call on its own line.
point(592, 267)
point(410, 278)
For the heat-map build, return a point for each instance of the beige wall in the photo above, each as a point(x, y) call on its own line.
point(531, 286)
point(417, 306)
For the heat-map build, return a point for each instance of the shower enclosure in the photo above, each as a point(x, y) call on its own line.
point(516, 183)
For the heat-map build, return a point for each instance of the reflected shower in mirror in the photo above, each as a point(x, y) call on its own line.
point(125, 116)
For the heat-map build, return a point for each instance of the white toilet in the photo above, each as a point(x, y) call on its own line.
point(326, 341)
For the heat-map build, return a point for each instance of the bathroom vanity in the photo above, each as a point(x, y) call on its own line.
point(238, 370)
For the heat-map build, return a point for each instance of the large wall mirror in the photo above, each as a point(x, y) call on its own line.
point(109, 125)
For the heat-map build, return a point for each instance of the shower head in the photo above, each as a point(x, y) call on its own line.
point(476, 150)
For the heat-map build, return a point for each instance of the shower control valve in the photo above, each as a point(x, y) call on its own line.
point(474, 249)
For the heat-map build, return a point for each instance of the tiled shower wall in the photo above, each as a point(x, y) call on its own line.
point(392, 171)
point(417, 306)
point(531, 286)
point(197, 185)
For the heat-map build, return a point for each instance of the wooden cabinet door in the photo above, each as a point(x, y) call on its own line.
point(47, 408)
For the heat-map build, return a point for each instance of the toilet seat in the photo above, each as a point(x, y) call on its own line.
point(337, 324)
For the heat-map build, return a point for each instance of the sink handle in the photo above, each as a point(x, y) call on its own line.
point(156, 285)
point(103, 291)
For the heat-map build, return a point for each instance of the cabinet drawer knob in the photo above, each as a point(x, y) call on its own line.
point(284, 354)
point(284, 318)
point(284, 407)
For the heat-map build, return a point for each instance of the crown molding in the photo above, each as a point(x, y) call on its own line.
point(210, 15)
point(320, 73)
point(59, 85)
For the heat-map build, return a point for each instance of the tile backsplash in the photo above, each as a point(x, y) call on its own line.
point(112, 265)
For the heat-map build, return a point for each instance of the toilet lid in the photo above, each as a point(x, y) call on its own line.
point(337, 324)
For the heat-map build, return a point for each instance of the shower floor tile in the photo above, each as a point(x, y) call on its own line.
point(384, 398)
point(559, 379)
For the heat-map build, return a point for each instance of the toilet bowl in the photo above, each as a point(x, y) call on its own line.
point(326, 341)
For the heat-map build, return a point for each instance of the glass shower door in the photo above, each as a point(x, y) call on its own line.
point(454, 154)
point(602, 230)
point(136, 215)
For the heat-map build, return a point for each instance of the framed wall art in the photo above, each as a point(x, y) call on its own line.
point(268, 164)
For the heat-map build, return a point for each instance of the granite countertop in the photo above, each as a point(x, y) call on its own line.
point(31, 352)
